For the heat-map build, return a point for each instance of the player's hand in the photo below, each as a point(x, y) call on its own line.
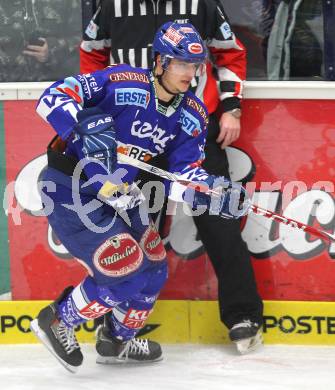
point(96, 130)
point(40, 53)
point(230, 200)
point(230, 128)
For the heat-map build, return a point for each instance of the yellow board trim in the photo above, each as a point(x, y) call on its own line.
point(304, 323)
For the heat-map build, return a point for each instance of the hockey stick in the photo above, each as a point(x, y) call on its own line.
point(124, 159)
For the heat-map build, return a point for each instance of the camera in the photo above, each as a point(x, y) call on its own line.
point(33, 39)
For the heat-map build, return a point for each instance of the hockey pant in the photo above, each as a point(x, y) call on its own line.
point(127, 265)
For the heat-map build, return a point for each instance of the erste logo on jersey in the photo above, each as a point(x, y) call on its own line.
point(189, 123)
point(172, 36)
point(132, 96)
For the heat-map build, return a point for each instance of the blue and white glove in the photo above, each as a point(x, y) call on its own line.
point(233, 201)
point(96, 130)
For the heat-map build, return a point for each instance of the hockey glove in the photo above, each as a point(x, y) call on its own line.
point(96, 130)
point(231, 202)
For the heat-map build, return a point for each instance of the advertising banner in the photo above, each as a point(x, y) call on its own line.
point(286, 153)
point(180, 321)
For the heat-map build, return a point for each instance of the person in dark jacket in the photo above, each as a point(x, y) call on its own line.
point(293, 39)
point(39, 39)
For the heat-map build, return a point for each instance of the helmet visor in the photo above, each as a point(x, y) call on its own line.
point(180, 67)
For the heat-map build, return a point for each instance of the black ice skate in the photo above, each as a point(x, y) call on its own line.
point(111, 350)
point(246, 335)
point(57, 338)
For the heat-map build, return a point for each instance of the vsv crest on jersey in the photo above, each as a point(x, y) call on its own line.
point(132, 96)
point(189, 123)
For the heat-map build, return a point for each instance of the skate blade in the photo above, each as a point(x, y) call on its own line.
point(41, 335)
point(115, 360)
point(248, 345)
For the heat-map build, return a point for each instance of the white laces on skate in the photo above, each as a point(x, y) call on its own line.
point(66, 337)
point(244, 324)
point(247, 336)
point(135, 347)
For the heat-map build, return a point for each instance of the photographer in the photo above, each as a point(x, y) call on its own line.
point(36, 36)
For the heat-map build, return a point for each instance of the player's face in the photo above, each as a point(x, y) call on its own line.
point(179, 74)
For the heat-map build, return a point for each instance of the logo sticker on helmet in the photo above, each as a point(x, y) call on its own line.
point(187, 30)
point(195, 48)
point(171, 35)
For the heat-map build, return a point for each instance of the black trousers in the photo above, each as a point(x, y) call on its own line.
point(228, 253)
point(237, 291)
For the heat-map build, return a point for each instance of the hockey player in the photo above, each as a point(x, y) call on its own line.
point(116, 34)
point(141, 113)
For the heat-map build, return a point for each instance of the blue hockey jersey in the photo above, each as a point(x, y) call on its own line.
point(144, 127)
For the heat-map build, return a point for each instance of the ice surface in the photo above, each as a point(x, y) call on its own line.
point(189, 367)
